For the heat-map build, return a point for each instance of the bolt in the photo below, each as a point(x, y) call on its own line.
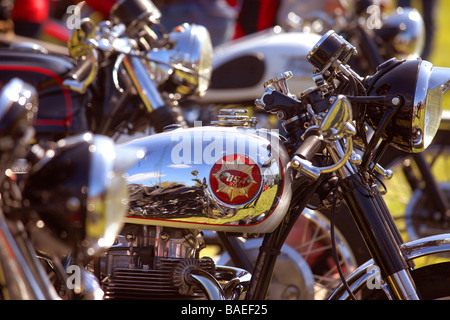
point(395, 101)
point(332, 99)
point(164, 236)
point(295, 163)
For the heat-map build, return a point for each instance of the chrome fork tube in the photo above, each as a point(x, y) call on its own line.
point(403, 285)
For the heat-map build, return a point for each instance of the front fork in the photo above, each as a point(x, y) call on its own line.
point(380, 235)
point(377, 227)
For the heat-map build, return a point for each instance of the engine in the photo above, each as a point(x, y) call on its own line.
point(155, 263)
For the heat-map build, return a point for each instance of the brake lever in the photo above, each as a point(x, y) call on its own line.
point(276, 97)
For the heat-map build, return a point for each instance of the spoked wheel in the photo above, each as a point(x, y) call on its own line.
point(411, 204)
point(311, 238)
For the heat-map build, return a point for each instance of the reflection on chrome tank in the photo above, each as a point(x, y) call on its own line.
point(217, 178)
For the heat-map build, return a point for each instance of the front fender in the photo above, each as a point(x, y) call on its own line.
point(411, 250)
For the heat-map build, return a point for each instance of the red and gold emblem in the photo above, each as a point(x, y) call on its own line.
point(235, 179)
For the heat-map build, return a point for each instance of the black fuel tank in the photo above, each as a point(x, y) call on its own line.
point(61, 111)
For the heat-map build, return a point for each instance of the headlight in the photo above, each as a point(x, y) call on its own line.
point(190, 59)
point(405, 32)
point(420, 87)
point(79, 190)
point(107, 196)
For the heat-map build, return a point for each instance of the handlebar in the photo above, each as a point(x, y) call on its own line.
point(312, 144)
point(307, 168)
point(81, 70)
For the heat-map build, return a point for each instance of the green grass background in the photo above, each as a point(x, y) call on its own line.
point(441, 50)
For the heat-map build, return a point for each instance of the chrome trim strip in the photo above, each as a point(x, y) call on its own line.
point(403, 282)
point(426, 246)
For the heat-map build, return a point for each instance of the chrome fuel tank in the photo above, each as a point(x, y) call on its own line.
point(231, 179)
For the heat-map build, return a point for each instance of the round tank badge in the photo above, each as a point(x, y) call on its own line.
point(235, 179)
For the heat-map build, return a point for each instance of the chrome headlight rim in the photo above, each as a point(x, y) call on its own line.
point(71, 188)
point(190, 59)
point(107, 197)
point(427, 107)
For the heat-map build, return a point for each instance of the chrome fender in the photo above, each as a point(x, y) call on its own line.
point(367, 272)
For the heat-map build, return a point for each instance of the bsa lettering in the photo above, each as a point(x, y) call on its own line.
point(235, 179)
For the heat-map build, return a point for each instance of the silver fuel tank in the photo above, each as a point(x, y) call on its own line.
point(234, 179)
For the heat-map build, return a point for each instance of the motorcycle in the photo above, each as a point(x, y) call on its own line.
point(123, 75)
point(420, 208)
point(63, 205)
point(236, 178)
point(240, 69)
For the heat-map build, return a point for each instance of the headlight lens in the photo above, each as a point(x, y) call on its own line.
point(205, 63)
point(427, 106)
point(433, 106)
point(421, 87)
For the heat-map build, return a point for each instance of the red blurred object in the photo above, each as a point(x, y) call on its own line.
point(36, 11)
point(255, 15)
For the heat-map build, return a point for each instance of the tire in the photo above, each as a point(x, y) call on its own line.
point(308, 246)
